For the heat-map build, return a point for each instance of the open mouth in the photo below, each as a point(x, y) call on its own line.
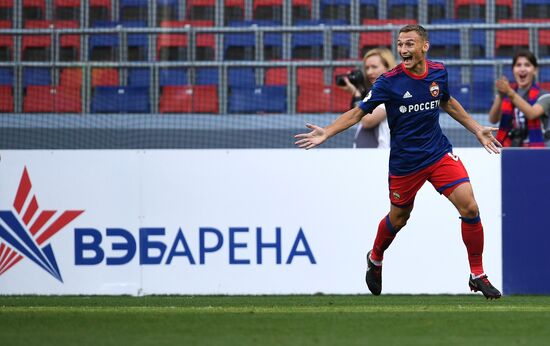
point(406, 59)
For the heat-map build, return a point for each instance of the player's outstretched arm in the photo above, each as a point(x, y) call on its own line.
point(318, 135)
point(484, 134)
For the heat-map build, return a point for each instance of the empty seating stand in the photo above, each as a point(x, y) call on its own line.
point(52, 99)
point(133, 10)
point(310, 45)
point(336, 10)
point(67, 10)
point(6, 42)
point(536, 9)
point(476, 9)
point(175, 47)
point(382, 38)
point(202, 9)
point(100, 10)
point(268, 10)
point(120, 99)
point(259, 99)
point(6, 10)
point(402, 9)
point(34, 10)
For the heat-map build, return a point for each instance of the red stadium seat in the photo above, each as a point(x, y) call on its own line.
point(275, 76)
point(34, 9)
point(476, 9)
point(233, 11)
point(340, 100)
point(100, 10)
point(174, 46)
point(105, 77)
point(6, 99)
point(301, 10)
point(310, 75)
point(50, 99)
point(6, 10)
point(382, 38)
point(268, 10)
point(544, 36)
point(507, 41)
point(545, 86)
point(201, 9)
point(6, 42)
point(36, 47)
point(71, 77)
point(314, 99)
point(189, 99)
point(67, 9)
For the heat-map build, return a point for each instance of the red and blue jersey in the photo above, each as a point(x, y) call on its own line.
point(412, 107)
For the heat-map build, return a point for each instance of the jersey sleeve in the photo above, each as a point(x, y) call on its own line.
point(379, 93)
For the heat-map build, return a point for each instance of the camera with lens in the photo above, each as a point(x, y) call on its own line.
point(355, 77)
point(517, 136)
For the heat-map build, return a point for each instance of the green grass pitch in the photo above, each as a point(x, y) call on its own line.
point(275, 320)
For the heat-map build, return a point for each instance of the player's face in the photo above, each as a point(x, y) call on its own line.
point(374, 68)
point(524, 72)
point(412, 50)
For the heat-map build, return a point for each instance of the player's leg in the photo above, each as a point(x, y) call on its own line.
point(403, 190)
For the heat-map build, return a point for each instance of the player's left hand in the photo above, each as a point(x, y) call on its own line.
point(489, 142)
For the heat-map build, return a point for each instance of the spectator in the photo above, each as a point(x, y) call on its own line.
point(522, 108)
point(373, 131)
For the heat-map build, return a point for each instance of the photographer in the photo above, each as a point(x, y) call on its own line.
point(521, 107)
point(373, 131)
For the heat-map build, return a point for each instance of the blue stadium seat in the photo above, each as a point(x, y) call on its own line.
point(173, 76)
point(483, 74)
point(535, 8)
point(462, 93)
point(436, 10)
point(483, 95)
point(454, 74)
point(336, 10)
point(241, 76)
point(167, 10)
point(446, 43)
point(309, 45)
point(239, 46)
point(6, 76)
point(261, 99)
point(544, 73)
point(368, 9)
point(139, 77)
point(137, 43)
point(206, 76)
point(120, 99)
point(133, 9)
point(403, 9)
point(36, 76)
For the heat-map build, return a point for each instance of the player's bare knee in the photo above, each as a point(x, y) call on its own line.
point(401, 221)
point(470, 210)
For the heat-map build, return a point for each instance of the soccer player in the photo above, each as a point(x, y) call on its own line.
point(413, 92)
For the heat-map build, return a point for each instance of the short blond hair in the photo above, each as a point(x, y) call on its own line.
point(385, 55)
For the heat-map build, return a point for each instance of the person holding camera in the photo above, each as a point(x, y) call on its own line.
point(521, 107)
point(373, 131)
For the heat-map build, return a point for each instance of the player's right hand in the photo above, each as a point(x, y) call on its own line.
point(310, 140)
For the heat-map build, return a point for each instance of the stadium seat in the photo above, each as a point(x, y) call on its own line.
point(100, 10)
point(310, 45)
point(259, 99)
point(535, 9)
point(6, 42)
point(174, 47)
point(436, 10)
point(309, 75)
point(476, 9)
point(34, 10)
point(139, 77)
point(268, 10)
point(6, 76)
point(37, 47)
point(483, 95)
point(368, 9)
point(340, 100)
point(189, 99)
point(36, 76)
point(67, 9)
point(6, 10)
point(242, 46)
point(167, 10)
point(508, 41)
point(201, 9)
point(119, 99)
point(446, 44)
point(133, 10)
point(233, 11)
point(276, 76)
point(206, 76)
point(51, 99)
point(241, 77)
point(105, 77)
point(544, 73)
point(173, 77)
point(454, 74)
point(336, 10)
point(523, 37)
point(382, 38)
point(314, 98)
point(402, 9)
point(545, 86)
point(6, 99)
point(104, 47)
point(301, 10)
point(71, 77)
point(462, 93)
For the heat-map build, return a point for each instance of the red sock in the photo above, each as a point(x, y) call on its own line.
point(472, 235)
point(384, 238)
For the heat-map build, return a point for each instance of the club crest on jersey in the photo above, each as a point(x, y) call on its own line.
point(396, 195)
point(434, 89)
